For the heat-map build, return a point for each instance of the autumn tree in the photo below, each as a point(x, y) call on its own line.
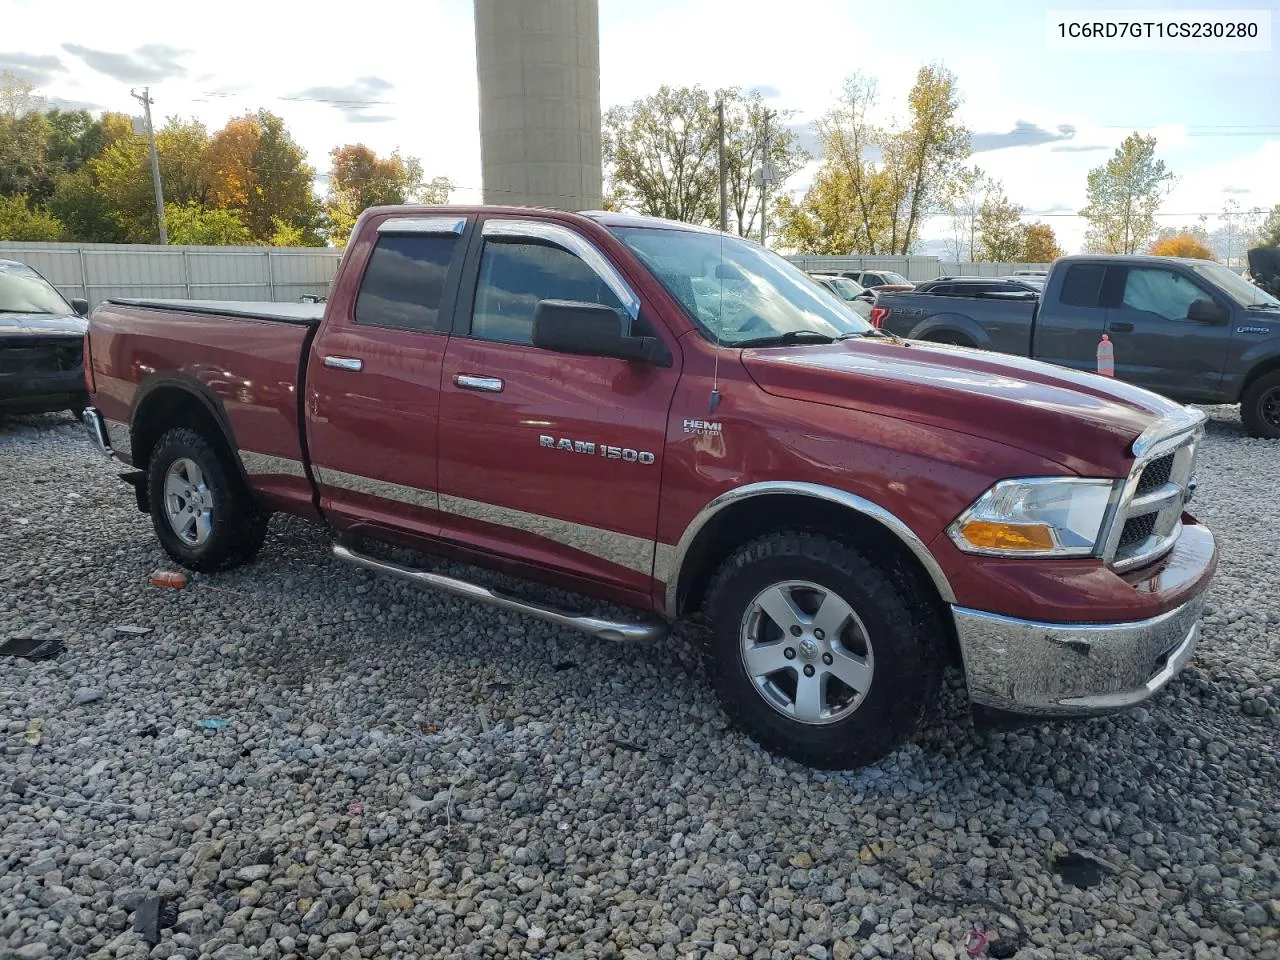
point(1039, 244)
point(1124, 195)
point(822, 221)
point(1001, 235)
point(359, 179)
point(1182, 245)
point(886, 178)
point(1267, 233)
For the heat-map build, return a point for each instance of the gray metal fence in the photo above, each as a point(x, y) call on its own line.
point(97, 271)
point(916, 269)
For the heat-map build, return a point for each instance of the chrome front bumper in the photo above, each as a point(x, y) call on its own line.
point(1055, 669)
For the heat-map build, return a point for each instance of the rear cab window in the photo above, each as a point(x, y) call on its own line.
point(405, 281)
point(1082, 286)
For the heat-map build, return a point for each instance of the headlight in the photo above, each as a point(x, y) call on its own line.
point(1037, 517)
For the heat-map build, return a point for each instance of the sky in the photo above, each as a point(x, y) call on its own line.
point(401, 75)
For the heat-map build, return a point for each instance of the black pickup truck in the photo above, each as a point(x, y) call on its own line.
point(1192, 330)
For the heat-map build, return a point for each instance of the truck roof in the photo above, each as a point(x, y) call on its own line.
point(605, 218)
point(1128, 257)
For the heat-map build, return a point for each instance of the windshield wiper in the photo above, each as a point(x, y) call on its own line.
point(791, 336)
point(875, 332)
point(1263, 306)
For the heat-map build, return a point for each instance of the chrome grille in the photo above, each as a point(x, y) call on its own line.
point(1148, 517)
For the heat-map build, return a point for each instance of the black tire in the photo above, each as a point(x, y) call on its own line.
point(906, 660)
point(237, 527)
point(1260, 407)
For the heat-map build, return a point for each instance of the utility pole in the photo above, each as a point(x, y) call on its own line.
point(145, 99)
point(724, 174)
point(764, 183)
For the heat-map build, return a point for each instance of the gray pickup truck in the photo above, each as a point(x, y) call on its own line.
point(1192, 330)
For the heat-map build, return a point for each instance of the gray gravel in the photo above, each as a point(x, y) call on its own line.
point(403, 775)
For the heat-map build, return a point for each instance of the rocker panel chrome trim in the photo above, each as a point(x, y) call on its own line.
point(618, 631)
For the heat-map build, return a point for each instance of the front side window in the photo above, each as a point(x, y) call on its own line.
point(515, 275)
point(1162, 292)
point(736, 291)
point(404, 282)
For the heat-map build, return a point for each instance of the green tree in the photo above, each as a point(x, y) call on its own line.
point(1268, 234)
point(18, 221)
point(84, 210)
point(1124, 195)
point(1001, 235)
point(661, 154)
point(1039, 244)
point(190, 223)
point(750, 129)
point(822, 222)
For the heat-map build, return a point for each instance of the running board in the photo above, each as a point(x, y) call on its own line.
point(618, 631)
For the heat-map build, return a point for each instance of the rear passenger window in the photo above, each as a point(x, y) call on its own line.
point(515, 276)
point(1082, 284)
point(404, 281)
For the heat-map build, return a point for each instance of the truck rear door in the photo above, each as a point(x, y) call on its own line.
point(1072, 317)
point(373, 380)
point(551, 459)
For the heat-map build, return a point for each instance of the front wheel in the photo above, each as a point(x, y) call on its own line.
point(203, 516)
point(814, 651)
point(1260, 407)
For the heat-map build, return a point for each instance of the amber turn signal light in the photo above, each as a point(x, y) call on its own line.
point(996, 535)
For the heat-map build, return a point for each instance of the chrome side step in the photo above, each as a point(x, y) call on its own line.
point(618, 631)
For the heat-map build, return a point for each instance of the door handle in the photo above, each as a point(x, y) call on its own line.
point(487, 384)
point(1120, 326)
point(354, 364)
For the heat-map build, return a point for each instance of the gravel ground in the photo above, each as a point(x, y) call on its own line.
point(308, 760)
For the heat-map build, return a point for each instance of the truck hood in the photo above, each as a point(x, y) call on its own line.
point(1085, 422)
point(41, 324)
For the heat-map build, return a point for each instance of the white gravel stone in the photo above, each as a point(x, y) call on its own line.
point(405, 774)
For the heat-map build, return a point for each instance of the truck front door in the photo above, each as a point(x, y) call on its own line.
point(1156, 345)
point(549, 458)
point(373, 377)
point(1071, 318)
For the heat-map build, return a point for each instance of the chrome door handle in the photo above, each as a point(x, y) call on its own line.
point(488, 384)
point(354, 364)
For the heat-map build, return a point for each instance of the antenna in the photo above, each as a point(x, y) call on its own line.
point(714, 400)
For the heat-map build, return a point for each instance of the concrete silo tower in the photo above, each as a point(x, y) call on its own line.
point(538, 64)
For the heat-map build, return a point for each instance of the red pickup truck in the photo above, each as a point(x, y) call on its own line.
point(679, 421)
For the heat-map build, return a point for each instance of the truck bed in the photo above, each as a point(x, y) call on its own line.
point(247, 360)
point(993, 323)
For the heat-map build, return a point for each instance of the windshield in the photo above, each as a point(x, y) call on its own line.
point(737, 291)
point(22, 290)
point(845, 288)
point(1233, 285)
point(894, 278)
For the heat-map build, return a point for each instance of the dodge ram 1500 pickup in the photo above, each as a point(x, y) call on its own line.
point(674, 420)
point(1188, 329)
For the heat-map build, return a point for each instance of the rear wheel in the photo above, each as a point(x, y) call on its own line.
point(1260, 407)
point(814, 651)
point(203, 516)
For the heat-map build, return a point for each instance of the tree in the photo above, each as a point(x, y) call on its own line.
point(1001, 235)
point(1268, 232)
point(190, 223)
point(965, 193)
point(884, 179)
point(822, 222)
point(18, 221)
point(1183, 245)
point(747, 123)
point(1124, 195)
point(1039, 245)
point(255, 166)
point(359, 179)
point(661, 152)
